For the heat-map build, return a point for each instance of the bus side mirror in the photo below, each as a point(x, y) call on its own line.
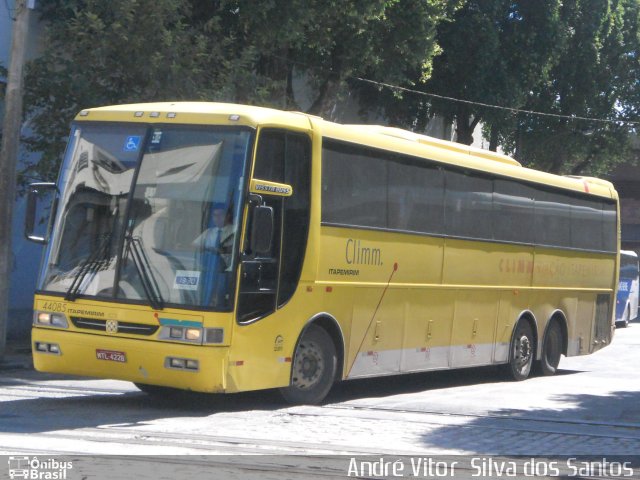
point(261, 229)
point(41, 195)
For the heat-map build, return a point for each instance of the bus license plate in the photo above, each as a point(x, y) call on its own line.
point(111, 355)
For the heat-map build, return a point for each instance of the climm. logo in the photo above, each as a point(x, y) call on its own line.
point(356, 253)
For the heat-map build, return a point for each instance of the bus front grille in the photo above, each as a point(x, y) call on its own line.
point(123, 327)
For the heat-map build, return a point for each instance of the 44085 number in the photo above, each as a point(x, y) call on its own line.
point(55, 307)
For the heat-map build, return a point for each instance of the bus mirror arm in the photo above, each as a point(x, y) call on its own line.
point(35, 190)
point(261, 229)
point(255, 199)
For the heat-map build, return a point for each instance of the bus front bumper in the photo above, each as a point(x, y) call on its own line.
point(187, 367)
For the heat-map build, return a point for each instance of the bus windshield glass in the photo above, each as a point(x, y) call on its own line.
point(149, 214)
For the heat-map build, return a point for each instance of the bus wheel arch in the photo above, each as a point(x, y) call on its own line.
point(329, 323)
point(316, 362)
point(522, 347)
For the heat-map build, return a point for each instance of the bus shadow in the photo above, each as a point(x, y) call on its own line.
point(420, 382)
point(78, 407)
point(590, 425)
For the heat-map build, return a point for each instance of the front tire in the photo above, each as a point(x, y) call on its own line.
point(314, 368)
point(521, 352)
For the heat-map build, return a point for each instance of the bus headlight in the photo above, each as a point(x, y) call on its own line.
point(181, 334)
point(176, 332)
point(50, 319)
point(193, 334)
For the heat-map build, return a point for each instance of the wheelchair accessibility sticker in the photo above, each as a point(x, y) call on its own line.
point(132, 144)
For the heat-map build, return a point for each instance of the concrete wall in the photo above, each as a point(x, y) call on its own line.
point(26, 255)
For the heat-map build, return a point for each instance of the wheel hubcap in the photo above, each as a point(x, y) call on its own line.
point(308, 365)
point(523, 353)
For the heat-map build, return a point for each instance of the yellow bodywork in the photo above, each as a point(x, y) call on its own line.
point(417, 302)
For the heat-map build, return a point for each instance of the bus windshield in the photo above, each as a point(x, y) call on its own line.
point(149, 214)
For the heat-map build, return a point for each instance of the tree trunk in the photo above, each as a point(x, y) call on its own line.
point(465, 127)
point(326, 100)
point(493, 139)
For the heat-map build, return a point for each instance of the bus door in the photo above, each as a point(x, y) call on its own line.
point(269, 278)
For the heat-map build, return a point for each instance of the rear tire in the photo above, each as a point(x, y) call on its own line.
point(521, 352)
point(551, 349)
point(313, 370)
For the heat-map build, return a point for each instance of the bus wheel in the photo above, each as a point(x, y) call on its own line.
point(624, 323)
point(314, 368)
point(551, 350)
point(521, 352)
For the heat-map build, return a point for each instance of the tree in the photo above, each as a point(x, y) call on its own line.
point(245, 51)
point(596, 76)
point(119, 51)
point(495, 52)
point(326, 43)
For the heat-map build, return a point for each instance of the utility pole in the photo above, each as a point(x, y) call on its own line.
point(9, 156)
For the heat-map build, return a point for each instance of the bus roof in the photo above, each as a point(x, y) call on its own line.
point(388, 138)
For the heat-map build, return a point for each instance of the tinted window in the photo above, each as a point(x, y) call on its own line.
point(270, 155)
point(609, 227)
point(354, 186)
point(552, 220)
point(297, 173)
point(586, 224)
point(513, 208)
point(374, 188)
point(468, 205)
point(415, 197)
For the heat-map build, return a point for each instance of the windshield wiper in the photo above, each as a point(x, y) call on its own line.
point(141, 262)
point(91, 265)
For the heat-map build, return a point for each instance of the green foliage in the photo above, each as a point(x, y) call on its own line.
point(120, 51)
point(596, 76)
point(570, 57)
point(291, 54)
point(494, 52)
point(327, 42)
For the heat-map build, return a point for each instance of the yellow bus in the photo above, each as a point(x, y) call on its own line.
point(224, 248)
